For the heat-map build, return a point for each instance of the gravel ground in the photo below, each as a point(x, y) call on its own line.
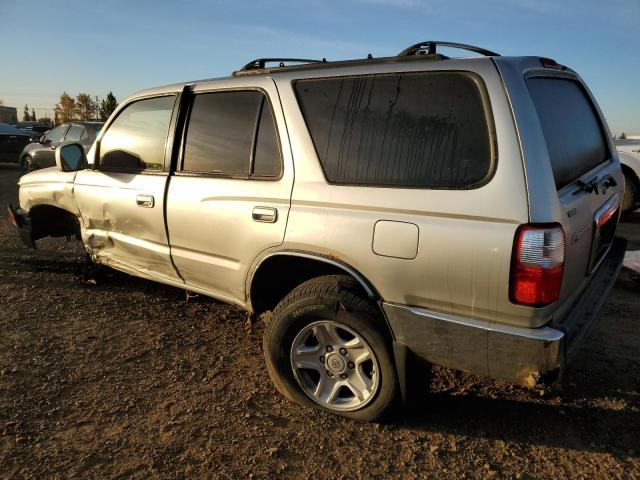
point(125, 378)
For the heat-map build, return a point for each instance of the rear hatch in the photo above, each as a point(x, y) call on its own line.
point(587, 177)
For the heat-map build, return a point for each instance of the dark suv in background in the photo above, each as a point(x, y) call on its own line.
point(41, 154)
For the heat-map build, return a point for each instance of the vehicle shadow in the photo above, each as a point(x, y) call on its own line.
point(581, 427)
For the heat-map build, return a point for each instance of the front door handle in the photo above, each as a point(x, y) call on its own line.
point(264, 214)
point(145, 201)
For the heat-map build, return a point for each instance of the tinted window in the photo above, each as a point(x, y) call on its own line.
point(74, 134)
point(136, 138)
point(266, 159)
point(570, 126)
point(413, 129)
point(55, 135)
point(220, 132)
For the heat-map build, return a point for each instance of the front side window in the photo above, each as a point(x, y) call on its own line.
point(136, 139)
point(424, 129)
point(232, 133)
point(55, 135)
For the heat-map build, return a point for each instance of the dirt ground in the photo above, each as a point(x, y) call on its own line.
point(126, 379)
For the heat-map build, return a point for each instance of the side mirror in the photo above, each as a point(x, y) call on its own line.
point(70, 157)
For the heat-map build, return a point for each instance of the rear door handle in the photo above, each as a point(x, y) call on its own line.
point(145, 201)
point(264, 214)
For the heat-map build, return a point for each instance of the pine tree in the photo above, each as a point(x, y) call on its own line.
point(33, 114)
point(107, 106)
point(84, 107)
point(25, 115)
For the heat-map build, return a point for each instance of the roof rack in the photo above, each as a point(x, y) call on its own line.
point(423, 50)
point(429, 48)
point(260, 63)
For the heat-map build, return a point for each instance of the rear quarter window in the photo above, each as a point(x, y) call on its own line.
point(424, 129)
point(571, 127)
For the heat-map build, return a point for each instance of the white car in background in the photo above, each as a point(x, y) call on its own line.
point(629, 154)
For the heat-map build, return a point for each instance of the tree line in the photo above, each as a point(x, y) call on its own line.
point(84, 107)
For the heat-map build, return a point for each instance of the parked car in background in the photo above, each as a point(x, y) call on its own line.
point(35, 132)
point(12, 142)
point(41, 153)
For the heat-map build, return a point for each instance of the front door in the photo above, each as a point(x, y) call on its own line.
point(121, 202)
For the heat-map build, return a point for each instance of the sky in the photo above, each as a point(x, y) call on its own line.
point(123, 46)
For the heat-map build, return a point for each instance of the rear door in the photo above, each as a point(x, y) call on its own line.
point(229, 198)
point(122, 201)
point(586, 175)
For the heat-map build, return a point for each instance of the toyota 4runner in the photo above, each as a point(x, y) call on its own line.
point(376, 213)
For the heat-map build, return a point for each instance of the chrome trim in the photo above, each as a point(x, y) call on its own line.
point(545, 334)
point(608, 205)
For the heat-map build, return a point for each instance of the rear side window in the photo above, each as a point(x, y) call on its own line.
point(571, 128)
point(426, 129)
point(266, 160)
point(232, 133)
point(74, 134)
point(136, 139)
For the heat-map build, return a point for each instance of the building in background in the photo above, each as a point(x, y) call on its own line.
point(8, 115)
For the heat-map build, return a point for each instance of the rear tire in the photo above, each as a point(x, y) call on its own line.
point(325, 327)
point(630, 197)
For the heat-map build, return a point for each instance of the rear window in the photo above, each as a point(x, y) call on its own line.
point(426, 129)
point(571, 127)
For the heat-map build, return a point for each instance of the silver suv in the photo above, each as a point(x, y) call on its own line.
point(377, 213)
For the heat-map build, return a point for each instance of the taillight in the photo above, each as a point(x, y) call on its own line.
point(537, 265)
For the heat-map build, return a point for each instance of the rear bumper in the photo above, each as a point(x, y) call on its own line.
point(20, 219)
point(520, 355)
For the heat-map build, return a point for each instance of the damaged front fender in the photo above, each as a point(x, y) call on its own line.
point(43, 221)
point(19, 219)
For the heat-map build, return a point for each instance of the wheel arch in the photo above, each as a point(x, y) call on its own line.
point(264, 294)
point(49, 220)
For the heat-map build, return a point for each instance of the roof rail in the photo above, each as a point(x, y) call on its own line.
point(429, 47)
point(260, 63)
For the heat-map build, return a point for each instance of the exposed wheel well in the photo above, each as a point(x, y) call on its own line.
point(47, 220)
point(279, 274)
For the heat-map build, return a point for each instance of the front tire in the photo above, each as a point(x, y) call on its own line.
point(326, 347)
point(27, 164)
